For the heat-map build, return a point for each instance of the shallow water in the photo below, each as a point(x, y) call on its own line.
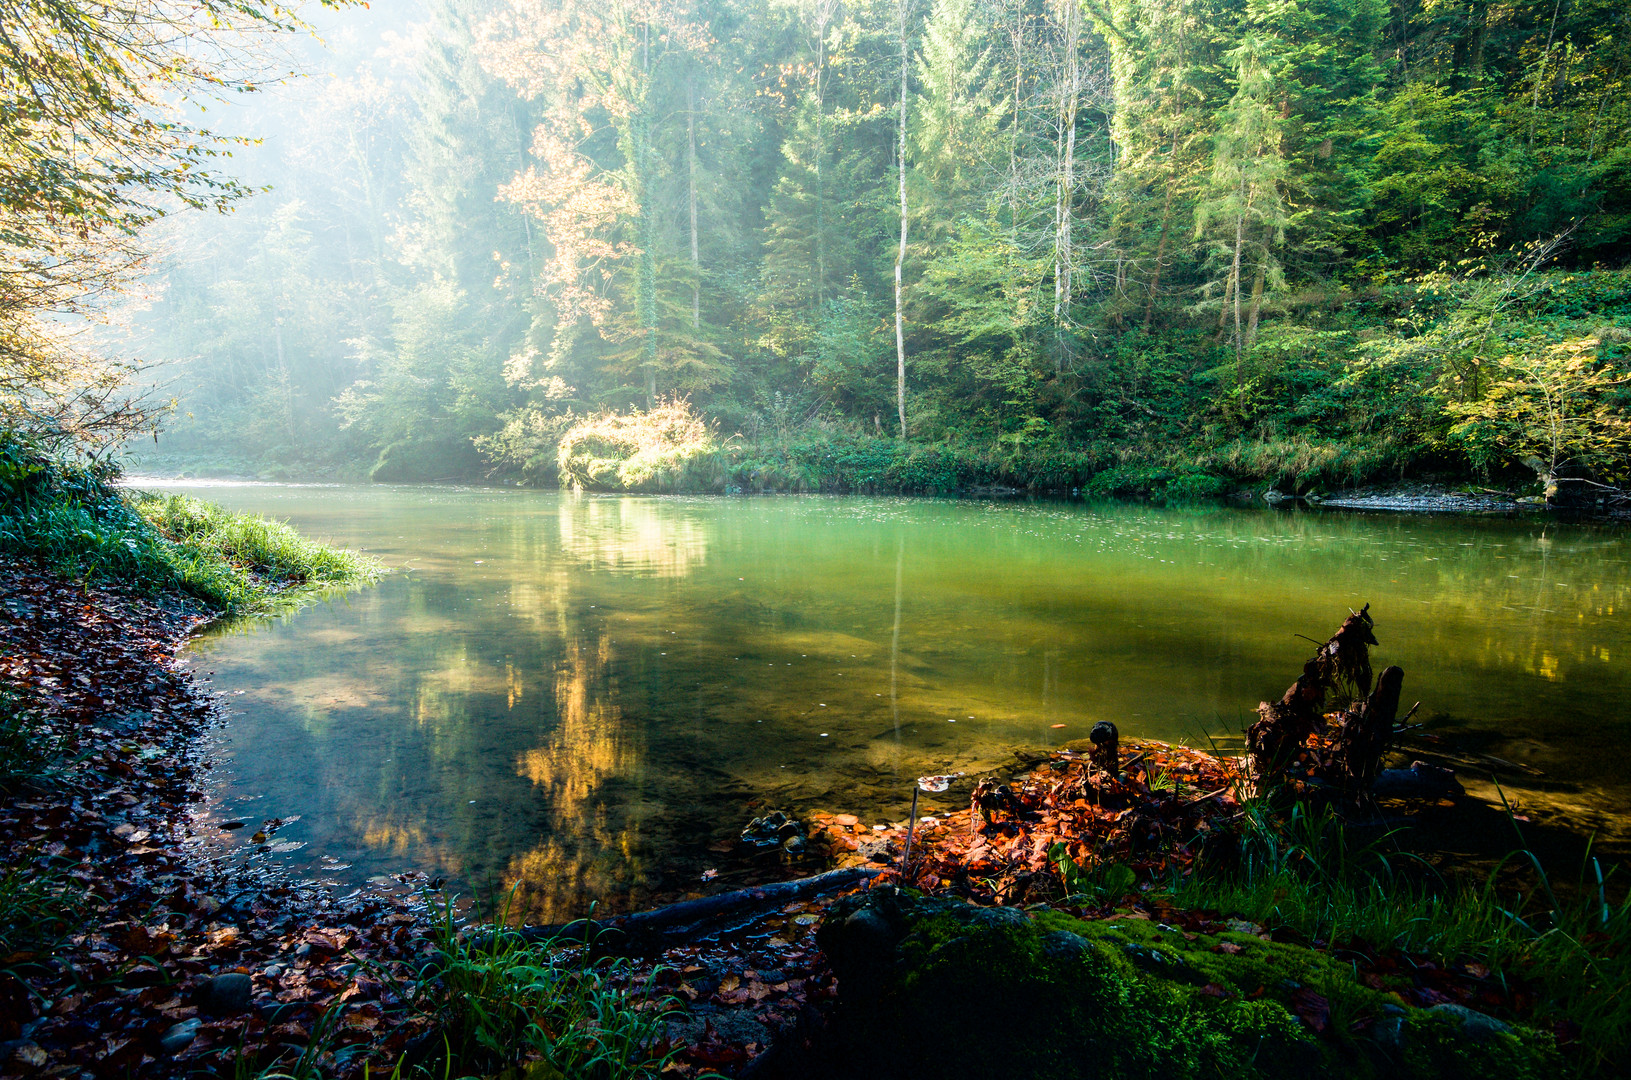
point(582, 694)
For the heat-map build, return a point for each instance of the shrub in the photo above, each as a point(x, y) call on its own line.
point(668, 447)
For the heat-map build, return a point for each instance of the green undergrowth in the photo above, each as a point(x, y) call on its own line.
point(71, 516)
point(503, 1006)
point(1571, 945)
point(1058, 998)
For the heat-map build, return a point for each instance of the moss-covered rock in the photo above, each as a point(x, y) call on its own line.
point(934, 987)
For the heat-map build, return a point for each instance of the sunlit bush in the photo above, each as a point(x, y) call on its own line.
point(669, 447)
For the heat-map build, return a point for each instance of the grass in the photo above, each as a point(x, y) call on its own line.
point(1571, 946)
point(30, 752)
point(70, 516)
point(39, 909)
point(547, 1009)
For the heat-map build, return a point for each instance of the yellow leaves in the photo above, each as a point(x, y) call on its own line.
point(1547, 406)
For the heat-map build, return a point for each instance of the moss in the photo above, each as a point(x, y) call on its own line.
point(1056, 998)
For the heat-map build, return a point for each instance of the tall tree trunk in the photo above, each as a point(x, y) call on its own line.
point(900, 254)
point(1257, 299)
point(1064, 217)
point(1166, 211)
point(1016, 35)
point(820, 152)
point(691, 168)
point(1234, 275)
point(648, 227)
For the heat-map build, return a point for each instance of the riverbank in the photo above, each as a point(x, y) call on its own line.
point(143, 956)
point(128, 954)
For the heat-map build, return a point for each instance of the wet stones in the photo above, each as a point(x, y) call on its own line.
point(227, 994)
point(180, 1036)
point(775, 831)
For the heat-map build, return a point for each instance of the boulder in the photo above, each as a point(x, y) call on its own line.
point(937, 988)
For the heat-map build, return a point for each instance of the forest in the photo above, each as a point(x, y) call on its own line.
point(1124, 246)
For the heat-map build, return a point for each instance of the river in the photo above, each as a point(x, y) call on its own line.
point(589, 696)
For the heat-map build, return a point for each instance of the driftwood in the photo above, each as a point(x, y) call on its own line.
point(686, 918)
point(1284, 726)
point(1365, 735)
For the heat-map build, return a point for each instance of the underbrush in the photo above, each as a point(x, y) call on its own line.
point(546, 1009)
point(1571, 947)
point(667, 448)
point(70, 516)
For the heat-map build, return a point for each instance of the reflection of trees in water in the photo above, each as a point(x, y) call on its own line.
point(593, 849)
point(638, 536)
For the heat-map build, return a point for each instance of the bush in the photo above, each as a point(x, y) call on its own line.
point(667, 448)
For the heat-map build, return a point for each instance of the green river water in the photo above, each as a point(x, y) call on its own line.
point(589, 695)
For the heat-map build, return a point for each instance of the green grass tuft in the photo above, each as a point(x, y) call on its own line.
point(70, 516)
point(499, 1002)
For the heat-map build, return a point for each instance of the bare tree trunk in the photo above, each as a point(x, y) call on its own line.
point(641, 124)
point(900, 255)
point(691, 164)
point(1063, 254)
point(1016, 35)
point(824, 13)
point(1234, 274)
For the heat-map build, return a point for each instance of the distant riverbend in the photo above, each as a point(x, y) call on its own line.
point(590, 695)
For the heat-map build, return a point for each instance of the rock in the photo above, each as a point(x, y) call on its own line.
point(773, 830)
point(179, 1037)
point(226, 995)
point(1064, 945)
point(1474, 1025)
point(933, 988)
point(1421, 781)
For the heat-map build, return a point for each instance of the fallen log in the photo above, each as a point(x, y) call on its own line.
point(685, 917)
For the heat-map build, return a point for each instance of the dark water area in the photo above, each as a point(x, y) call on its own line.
point(588, 696)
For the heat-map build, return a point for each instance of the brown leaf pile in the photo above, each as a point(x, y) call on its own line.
point(1157, 811)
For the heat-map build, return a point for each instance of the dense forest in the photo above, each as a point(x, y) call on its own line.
point(1172, 246)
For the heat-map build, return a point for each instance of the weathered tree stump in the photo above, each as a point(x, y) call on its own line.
point(1366, 734)
point(1106, 752)
point(1283, 726)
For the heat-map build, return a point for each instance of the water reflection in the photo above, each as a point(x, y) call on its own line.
point(575, 697)
point(632, 536)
